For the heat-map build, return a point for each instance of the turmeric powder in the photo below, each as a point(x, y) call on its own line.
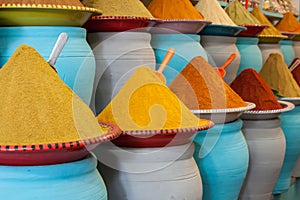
point(199, 86)
point(146, 103)
point(37, 107)
point(174, 9)
point(288, 23)
point(268, 31)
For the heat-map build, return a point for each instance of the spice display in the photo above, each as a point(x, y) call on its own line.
point(288, 23)
point(174, 9)
point(199, 86)
point(119, 7)
point(268, 31)
point(277, 75)
point(146, 103)
point(239, 14)
point(252, 88)
point(218, 16)
point(44, 2)
point(37, 107)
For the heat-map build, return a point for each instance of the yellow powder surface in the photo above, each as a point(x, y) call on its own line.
point(50, 2)
point(277, 75)
point(119, 7)
point(199, 86)
point(212, 11)
point(288, 23)
point(146, 103)
point(174, 9)
point(37, 107)
point(268, 31)
point(239, 14)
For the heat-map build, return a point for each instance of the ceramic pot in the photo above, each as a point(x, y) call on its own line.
point(117, 56)
point(220, 48)
point(150, 173)
point(222, 156)
point(296, 47)
point(296, 170)
point(73, 180)
point(266, 144)
point(286, 47)
point(251, 56)
point(186, 46)
point(76, 63)
point(290, 124)
point(268, 48)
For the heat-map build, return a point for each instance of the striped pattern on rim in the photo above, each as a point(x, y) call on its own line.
point(113, 133)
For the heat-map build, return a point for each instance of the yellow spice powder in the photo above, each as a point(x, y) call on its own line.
point(288, 23)
point(37, 107)
point(239, 14)
point(146, 103)
point(212, 11)
point(174, 9)
point(277, 75)
point(119, 7)
point(50, 2)
point(268, 31)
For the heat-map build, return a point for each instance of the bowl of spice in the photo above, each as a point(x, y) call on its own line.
point(42, 120)
point(200, 87)
point(119, 15)
point(289, 25)
point(149, 114)
point(45, 12)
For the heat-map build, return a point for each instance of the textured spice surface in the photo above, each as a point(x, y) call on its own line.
point(119, 7)
point(199, 86)
point(268, 31)
point(288, 23)
point(174, 9)
point(146, 103)
point(277, 75)
point(252, 88)
point(50, 2)
point(212, 11)
point(239, 14)
point(37, 107)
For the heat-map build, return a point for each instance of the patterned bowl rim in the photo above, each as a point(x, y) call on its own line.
point(226, 110)
point(287, 107)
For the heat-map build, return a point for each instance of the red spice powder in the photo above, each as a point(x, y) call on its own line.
point(252, 87)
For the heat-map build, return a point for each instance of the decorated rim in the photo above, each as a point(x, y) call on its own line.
point(49, 6)
point(290, 35)
point(287, 107)
point(254, 25)
point(113, 133)
point(185, 20)
point(226, 110)
point(168, 131)
point(123, 18)
point(272, 36)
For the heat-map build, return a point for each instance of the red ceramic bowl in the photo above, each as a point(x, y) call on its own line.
point(158, 138)
point(252, 30)
point(118, 23)
point(47, 154)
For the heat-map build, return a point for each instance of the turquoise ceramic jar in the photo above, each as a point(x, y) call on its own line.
point(73, 180)
point(290, 124)
point(75, 65)
point(251, 56)
point(187, 46)
point(222, 156)
point(286, 47)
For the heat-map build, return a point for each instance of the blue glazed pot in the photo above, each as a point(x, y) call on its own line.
point(286, 47)
point(187, 46)
point(74, 180)
point(290, 124)
point(251, 56)
point(75, 65)
point(222, 156)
